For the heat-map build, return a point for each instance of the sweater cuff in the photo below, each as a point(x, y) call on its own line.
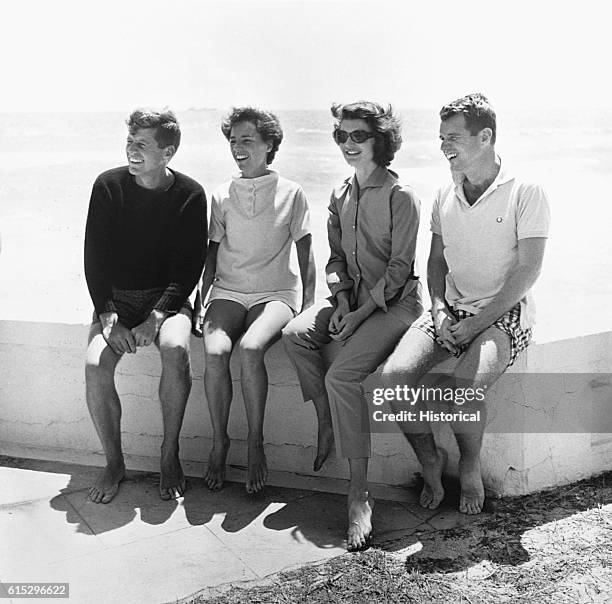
point(108, 306)
point(171, 300)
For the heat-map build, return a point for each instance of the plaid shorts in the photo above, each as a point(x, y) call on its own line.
point(509, 323)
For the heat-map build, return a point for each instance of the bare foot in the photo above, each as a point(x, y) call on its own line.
point(433, 492)
point(360, 521)
point(257, 470)
point(472, 489)
point(172, 479)
point(215, 473)
point(325, 443)
point(107, 483)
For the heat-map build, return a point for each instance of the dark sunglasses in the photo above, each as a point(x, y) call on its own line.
point(357, 136)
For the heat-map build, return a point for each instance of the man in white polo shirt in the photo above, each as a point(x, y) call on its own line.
point(489, 232)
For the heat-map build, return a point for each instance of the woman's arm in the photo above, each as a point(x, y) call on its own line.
point(307, 270)
point(338, 280)
point(405, 219)
point(210, 269)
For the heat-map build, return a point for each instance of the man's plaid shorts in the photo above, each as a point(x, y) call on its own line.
point(509, 323)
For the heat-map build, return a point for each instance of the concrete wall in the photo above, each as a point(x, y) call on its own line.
point(43, 415)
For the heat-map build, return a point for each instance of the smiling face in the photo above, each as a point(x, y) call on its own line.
point(249, 150)
point(357, 155)
point(462, 149)
point(146, 160)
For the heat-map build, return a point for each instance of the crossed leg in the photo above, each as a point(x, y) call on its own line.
point(105, 410)
point(480, 365)
point(415, 354)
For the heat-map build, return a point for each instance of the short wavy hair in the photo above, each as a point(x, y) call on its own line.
point(476, 110)
point(381, 121)
point(167, 128)
point(265, 122)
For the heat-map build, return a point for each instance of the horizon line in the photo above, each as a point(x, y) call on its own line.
point(182, 109)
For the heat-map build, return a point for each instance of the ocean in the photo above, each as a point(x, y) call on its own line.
point(49, 162)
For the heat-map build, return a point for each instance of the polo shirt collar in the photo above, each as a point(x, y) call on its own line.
point(503, 176)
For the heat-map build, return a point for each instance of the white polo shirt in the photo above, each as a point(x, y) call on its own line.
point(481, 240)
point(255, 220)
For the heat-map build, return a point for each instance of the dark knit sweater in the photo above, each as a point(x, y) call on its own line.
point(137, 238)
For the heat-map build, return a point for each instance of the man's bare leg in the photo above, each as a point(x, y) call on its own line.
point(264, 324)
point(174, 389)
point(415, 354)
point(105, 410)
point(433, 460)
point(223, 325)
point(482, 364)
point(360, 505)
point(325, 431)
point(472, 496)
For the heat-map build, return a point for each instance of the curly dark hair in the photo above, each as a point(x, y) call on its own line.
point(476, 110)
point(167, 129)
point(265, 122)
point(387, 126)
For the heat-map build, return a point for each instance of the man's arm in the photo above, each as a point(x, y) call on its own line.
point(97, 260)
point(443, 318)
point(308, 272)
point(520, 279)
point(189, 244)
point(187, 263)
point(98, 247)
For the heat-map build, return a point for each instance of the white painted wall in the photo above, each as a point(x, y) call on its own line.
point(43, 415)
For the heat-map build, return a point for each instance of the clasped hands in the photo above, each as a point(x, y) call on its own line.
point(121, 339)
point(452, 334)
point(343, 322)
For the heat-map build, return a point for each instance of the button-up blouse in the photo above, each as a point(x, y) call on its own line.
point(372, 231)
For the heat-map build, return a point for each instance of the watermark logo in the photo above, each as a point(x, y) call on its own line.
point(427, 394)
point(553, 403)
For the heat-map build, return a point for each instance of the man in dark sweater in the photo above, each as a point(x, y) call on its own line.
point(145, 246)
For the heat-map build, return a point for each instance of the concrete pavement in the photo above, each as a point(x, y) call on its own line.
point(141, 549)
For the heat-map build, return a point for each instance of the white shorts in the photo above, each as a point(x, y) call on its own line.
point(287, 296)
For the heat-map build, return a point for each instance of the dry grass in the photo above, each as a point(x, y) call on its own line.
point(549, 547)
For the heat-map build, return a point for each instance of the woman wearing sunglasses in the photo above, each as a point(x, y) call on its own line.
point(255, 218)
point(375, 295)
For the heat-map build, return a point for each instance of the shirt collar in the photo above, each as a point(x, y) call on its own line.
point(503, 176)
point(271, 176)
point(377, 179)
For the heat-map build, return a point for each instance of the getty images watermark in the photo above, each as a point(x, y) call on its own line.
point(407, 395)
point(553, 403)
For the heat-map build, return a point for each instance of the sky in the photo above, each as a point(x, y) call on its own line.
point(301, 54)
